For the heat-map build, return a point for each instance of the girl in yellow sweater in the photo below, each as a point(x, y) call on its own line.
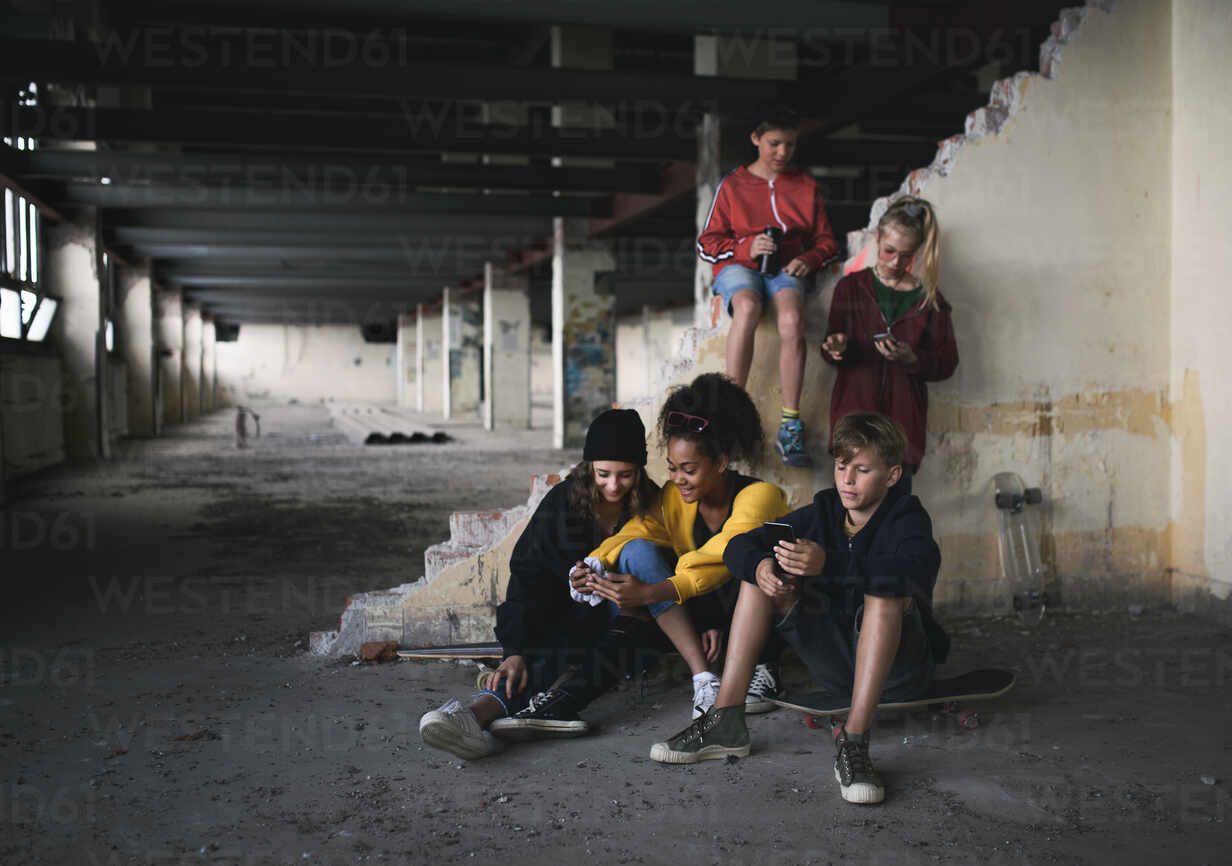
point(661, 560)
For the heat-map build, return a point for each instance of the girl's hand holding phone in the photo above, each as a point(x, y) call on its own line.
point(894, 350)
point(835, 345)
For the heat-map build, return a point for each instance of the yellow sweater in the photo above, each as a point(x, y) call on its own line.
point(701, 570)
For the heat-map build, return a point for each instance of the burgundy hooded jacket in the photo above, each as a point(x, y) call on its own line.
point(866, 381)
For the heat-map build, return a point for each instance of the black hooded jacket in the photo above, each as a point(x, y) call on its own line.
point(892, 556)
point(537, 607)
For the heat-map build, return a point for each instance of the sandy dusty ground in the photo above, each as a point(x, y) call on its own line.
point(157, 706)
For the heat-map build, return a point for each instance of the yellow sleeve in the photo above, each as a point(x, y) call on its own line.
point(701, 571)
point(650, 527)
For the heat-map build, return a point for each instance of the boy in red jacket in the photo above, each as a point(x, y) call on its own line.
point(769, 194)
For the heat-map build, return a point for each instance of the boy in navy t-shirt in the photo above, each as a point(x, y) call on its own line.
point(852, 595)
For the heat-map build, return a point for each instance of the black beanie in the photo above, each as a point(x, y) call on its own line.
point(617, 434)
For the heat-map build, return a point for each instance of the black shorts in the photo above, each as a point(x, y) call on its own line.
point(826, 641)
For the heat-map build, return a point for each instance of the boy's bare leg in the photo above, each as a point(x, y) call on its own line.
point(746, 313)
point(789, 311)
point(880, 632)
point(679, 629)
point(749, 629)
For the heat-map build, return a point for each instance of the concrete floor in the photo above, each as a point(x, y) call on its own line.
point(157, 706)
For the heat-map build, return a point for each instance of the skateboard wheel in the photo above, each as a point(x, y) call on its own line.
point(1009, 501)
point(813, 722)
point(1033, 495)
point(969, 719)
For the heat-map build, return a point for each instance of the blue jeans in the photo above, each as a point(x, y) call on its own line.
point(734, 278)
point(649, 563)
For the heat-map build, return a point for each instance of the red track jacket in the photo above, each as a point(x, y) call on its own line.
point(866, 381)
point(744, 204)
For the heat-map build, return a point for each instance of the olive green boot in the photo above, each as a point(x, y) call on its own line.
point(716, 734)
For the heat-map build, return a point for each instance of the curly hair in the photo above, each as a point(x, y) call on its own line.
point(733, 425)
point(584, 495)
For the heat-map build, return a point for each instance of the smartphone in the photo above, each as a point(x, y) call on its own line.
point(885, 335)
point(779, 532)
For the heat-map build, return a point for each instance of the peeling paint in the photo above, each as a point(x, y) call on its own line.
point(1188, 550)
point(1142, 412)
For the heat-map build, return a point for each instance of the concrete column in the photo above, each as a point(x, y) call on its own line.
point(583, 338)
point(407, 360)
point(209, 365)
point(506, 349)
point(721, 146)
point(193, 361)
point(169, 324)
point(71, 272)
point(462, 335)
point(428, 347)
point(136, 323)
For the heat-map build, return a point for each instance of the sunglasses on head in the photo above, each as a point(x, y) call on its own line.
point(683, 421)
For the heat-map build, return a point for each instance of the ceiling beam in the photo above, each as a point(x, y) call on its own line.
point(343, 223)
point(411, 131)
point(379, 177)
point(274, 61)
point(245, 199)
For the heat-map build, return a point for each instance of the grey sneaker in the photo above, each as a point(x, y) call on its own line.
point(455, 729)
point(718, 733)
point(763, 689)
point(705, 694)
point(790, 444)
point(549, 714)
point(858, 781)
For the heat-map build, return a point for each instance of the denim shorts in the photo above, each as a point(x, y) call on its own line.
point(734, 278)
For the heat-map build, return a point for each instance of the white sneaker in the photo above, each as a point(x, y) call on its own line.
point(763, 689)
point(455, 729)
point(705, 693)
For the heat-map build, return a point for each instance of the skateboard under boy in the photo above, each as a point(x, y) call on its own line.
point(1018, 542)
point(946, 695)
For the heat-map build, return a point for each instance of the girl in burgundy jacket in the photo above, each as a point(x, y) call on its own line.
point(890, 331)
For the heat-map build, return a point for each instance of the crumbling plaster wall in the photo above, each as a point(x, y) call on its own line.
point(309, 363)
point(1201, 328)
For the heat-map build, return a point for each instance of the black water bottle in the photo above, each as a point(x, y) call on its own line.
point(770, 261)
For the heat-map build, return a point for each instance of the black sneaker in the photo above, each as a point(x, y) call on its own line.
point(763, 689)
point(858, 780)
point(549, 714)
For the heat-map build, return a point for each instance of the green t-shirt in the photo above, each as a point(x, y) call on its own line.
point(894, 304)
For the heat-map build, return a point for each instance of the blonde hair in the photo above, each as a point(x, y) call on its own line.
point(861, 430)
point(916, 214)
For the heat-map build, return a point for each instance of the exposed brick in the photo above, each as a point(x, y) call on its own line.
point(379, 651)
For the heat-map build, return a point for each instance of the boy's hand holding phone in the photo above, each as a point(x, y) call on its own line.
point(802, 558)
point(773, 582)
